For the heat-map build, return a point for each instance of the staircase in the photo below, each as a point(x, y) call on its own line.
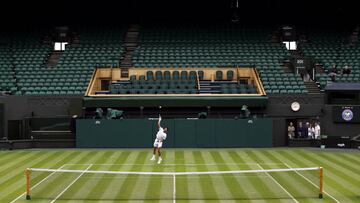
point(354, 37)
point(131, 42)
point(208, 87)
point(312, 87)
point(288, 66)
point(53, 59)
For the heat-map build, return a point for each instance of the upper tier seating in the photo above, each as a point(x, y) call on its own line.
point(218, 46)
point(330, 47)
point(7, 80)
point(23, 57)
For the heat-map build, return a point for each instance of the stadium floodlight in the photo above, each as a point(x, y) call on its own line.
point(63, 183)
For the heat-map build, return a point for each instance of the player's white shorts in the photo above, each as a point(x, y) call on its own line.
point(158, 143)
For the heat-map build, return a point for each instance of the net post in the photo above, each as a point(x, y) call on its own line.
point(27, 175)
point(321, 171)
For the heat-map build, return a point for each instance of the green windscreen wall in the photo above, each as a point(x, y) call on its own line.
point(140, 133)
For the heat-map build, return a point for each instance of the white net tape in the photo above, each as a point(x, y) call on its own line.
point(174, 173)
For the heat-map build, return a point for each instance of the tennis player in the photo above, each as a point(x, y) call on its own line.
point(160, 137)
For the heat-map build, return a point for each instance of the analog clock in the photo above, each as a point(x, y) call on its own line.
point(295, 106)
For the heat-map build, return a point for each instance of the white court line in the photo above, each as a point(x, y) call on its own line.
point(190, 164)
point(287, 165)
point(62, 192)
point(174, 192)
point(23, 194)
point(279, 184)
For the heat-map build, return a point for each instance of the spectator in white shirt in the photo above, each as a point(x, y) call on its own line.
point(317, 131)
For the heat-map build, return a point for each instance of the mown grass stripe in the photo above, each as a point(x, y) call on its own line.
point(273, 191)
point(149, 186)
point(152, 185)
point(232, 186)
point(251, 188)
point(95, 184)
point(10, 166)
point(334, 184)
point(5, 153)
point(18, 171)
point(36, 195)
point(7, 187)
point(114, 184)
point(15, 185)
point(182, 189)
point(283, 180)
point(335, 169)
point(262, 183)
point(71, 184)
point(292, 163)
point(350, 158)
point(195, 190)
point(6, 158)
point(127, 187)
point(167, 186)
point(14, 170)
point(297, 186)
point(206, 182)
point(52, 187)
point(81, 186)
point(219, 181)
point(331, 184)
point(345, 166)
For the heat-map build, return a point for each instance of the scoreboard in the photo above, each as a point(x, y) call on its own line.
point(346, 114)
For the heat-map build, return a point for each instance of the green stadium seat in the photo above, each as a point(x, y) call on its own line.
point(176, 75)
point(219, 75)
point(229, 75)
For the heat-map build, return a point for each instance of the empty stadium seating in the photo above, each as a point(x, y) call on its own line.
point(179, 82)
point(23, 57)
point(7, 80)
point(218, 46)
point(23, 60)
point(330, 47)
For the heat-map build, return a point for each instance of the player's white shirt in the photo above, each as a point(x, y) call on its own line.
point(160, 134)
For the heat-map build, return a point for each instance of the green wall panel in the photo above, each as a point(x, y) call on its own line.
point(132, 133)
point(205, 131)
point(185, 133)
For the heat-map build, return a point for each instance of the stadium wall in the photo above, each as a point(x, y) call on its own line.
point(20, 107)
point(140, 133)
point(312, 107)
point(278, 108)
point(343, 129)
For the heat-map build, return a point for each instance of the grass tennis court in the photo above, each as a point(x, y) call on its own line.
point(341, 175)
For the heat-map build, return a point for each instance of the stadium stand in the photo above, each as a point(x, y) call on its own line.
point(218, 46)
point(23, 57)
point(330, 47)
point(96, 48)
point(28, 58)
point(23, 60)
point(181, 82)
point(7, 73)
